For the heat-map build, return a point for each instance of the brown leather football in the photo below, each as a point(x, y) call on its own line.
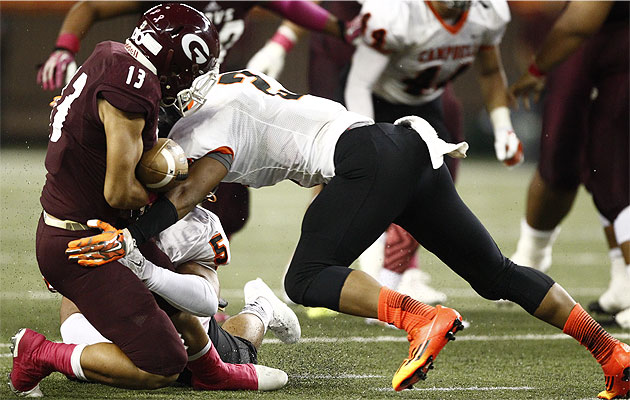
point(162, 167)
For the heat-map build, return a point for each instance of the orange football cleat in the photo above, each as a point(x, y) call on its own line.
point(426, 343)
point(617, 373)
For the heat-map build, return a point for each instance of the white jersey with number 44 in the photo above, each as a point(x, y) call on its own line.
point(426, 52)
point(268, 133)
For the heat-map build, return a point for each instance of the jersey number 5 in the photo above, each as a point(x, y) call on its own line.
point(220, 252)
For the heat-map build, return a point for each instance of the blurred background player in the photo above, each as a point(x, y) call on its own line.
point(195, 242)
point(584, 138)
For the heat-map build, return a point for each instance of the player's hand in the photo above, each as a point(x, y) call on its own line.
point(527, 85)
point(508, 147)
point(353, 29)
point(269, 60)
point(59, 67)
point(110, 245)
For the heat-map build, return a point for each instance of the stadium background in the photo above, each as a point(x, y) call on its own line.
point(504, 354)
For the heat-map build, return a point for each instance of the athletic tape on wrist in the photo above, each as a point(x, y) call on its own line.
point(68, 41)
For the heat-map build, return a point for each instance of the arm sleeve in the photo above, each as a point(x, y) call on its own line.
point(304, 13)
point(367, 67)
point(186, 292)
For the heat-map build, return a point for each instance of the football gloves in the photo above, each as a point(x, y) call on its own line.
point(57, 70)
point(110, 245)
point(508, 147)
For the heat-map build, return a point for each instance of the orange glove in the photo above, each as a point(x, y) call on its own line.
point(100, 249)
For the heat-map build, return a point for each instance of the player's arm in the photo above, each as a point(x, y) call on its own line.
point(579, 21)
point(308, 15)
point(367, 67)
point(193, 288)
point(123, 132)
point(76, 24)
point(493, 83)
point(301, 16)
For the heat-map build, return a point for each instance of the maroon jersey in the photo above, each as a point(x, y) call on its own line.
point(76, 156)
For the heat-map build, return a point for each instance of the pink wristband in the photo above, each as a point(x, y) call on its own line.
point(535, 71)
point(283, 41)
point(68, 41)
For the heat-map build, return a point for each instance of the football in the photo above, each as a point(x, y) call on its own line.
point(163, 166)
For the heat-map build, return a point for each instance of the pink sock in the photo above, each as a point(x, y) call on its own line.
point(209, 372)
point(57, 356)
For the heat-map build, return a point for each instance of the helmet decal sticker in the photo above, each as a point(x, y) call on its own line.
point(192, 43)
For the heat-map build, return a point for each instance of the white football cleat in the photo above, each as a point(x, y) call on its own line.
point(413, 283)
point(617, 297)
point(270, 378)
point(284, 324)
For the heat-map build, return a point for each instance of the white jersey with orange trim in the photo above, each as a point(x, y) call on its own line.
point(426, 51)
point(198, 237)
point(271, 134)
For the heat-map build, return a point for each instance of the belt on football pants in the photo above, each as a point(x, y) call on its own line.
point(63, 223)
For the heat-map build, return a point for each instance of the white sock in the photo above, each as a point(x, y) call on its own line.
point(201, 352)
point(75, 362)
point(389, 278)
point(536, 239)
point(76, 329)
point(261, 308)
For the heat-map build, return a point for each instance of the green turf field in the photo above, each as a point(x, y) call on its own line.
point(504, 354)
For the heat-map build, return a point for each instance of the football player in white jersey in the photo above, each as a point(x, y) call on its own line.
point(253, 131)
point(197, 243)
point(408, 51)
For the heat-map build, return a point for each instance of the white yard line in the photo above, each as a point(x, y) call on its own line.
point(459, 389)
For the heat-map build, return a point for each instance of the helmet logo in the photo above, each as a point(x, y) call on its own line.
point(145, 39)
point(195, 48)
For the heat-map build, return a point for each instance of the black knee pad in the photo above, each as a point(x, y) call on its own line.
point(523, 285)
point(317, 286)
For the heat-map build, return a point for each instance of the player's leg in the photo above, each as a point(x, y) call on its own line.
point(373, 166)
point(400, 267)
point(445, 226)
point(607, 175)
point(554, 185)
point(111, 298)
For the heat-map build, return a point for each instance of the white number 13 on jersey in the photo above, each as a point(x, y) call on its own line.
point(139, 79)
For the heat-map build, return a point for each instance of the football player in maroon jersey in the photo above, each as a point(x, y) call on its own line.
point(105, 119)
point(585, 140)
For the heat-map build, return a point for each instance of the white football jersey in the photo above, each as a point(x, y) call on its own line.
point(198, 237)
point(270, 133)
point(425, 51)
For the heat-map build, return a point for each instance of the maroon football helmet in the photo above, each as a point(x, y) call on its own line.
point(181, 46)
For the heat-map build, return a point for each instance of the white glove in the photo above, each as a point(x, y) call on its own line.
point(269, 60)
point(508, 147)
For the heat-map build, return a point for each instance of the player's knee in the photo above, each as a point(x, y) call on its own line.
point(293, 288)
point(151, 381)
point(523, 285)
